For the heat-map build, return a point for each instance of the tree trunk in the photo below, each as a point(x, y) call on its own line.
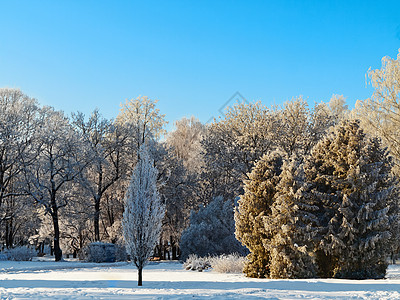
point(140, 283)
point(166, 253)
point(97, 219)
point(173, 248)
point(8, 244)
point(57, 249)
point(161, 249)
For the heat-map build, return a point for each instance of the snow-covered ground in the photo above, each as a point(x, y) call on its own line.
point(167, 280)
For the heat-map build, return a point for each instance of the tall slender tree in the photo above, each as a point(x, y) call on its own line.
point(144, 212)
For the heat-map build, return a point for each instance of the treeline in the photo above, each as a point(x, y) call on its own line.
point(63, 179)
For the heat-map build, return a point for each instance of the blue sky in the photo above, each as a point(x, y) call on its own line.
point(192, 55)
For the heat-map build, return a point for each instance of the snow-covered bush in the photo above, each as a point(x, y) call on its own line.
point(231, 263)
point(211, 231)
point(99, 252)
point(196, 263)
point(22, 253)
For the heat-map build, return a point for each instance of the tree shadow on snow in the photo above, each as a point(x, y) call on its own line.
point(289, 285)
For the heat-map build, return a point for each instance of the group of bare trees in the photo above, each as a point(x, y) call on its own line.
point(64, 179)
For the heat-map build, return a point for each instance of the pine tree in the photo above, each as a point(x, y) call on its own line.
point(143, 212)
point(351, 175)
point(256, 203)
point(293, 226)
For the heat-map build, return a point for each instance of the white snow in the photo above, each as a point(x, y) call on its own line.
point(167, 280)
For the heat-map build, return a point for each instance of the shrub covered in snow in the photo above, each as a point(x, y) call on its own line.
point(231, 263)
point(196, 263)
point(22, 253)
point(103, 252)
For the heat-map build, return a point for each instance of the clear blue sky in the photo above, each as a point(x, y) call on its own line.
point(192, 55)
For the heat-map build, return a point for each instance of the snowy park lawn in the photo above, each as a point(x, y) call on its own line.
point(167, 280)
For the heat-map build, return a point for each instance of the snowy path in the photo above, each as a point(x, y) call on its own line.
point(169, 281)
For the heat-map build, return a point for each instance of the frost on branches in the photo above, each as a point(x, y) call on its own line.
point(144, 212)
point(358, 209)
point(337, 218)
point(293, 225)
point(259, 192)
point(379, 113)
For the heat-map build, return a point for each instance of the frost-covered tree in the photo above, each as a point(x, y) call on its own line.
point(113, 209)
point(182, 189)
point(232, 145)
point(106, 142)
point(75, 221)
point(144, 120)
point(358, 203)
point(293, 134)
point(293, 226)
point(20, 219)
point(380, 113)
point(339, 108)
point(144, 212)
point(301, 127)
point(185, 141)
point(254, 205)
point(176, 191)
point(18, 124)
point(61, 157)
point(211, 231)
point(235, 143)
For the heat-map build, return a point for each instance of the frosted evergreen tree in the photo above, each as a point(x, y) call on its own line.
point(211, 231)
point(351, 175)
point(144, 212)
point(259, 192)
point(293, 226)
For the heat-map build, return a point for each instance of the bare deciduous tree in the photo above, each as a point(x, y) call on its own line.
point(106, 141)
point(61, 157)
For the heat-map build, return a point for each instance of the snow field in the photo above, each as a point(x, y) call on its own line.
point(167, 280)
